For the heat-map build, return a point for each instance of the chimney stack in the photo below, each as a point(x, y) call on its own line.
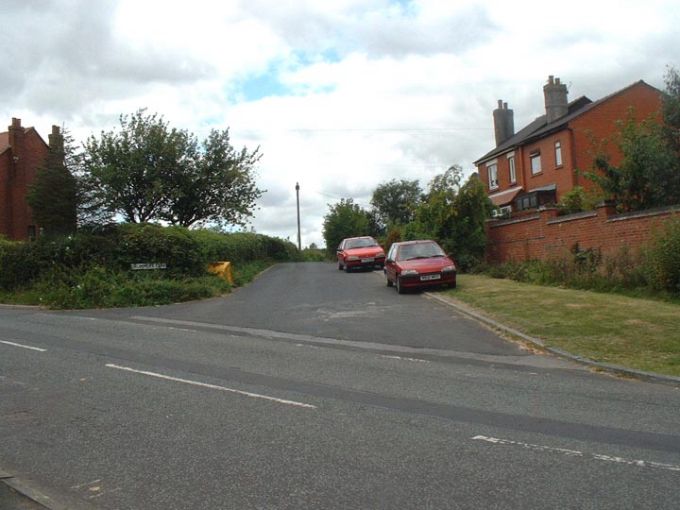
point(503, 122)
point(555, 94)
point(15, 135)
point(56, 140)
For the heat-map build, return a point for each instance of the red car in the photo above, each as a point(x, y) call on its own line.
point(418, 264)
point(356, 252)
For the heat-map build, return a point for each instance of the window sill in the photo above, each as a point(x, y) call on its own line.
point(558, 167)
point(536, 174)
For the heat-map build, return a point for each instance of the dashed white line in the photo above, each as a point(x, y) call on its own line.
point(14, 344)
point(214, 387)
point(404, 358)
point(577, 453)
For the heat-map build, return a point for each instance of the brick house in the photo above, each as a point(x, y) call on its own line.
point(22, 153)
point(535, 166)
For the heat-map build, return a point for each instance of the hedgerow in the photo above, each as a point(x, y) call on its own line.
point(113, 249)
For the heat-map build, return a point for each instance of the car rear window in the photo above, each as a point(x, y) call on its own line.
point(360, 243)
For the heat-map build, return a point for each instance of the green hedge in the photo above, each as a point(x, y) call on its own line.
point(114, 248)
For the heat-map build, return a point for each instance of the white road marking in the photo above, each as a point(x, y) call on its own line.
point(404, 359)
point(86, 483)
point(14, 344)
point(213, 387)
point(576, 453)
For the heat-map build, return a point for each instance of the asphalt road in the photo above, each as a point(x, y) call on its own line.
point(312, 388)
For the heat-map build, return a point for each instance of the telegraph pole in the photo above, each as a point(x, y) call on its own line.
point(297, 193)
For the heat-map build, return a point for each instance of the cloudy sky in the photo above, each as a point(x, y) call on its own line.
point(340, 95)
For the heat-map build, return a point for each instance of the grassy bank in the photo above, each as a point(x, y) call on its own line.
point(638, 333)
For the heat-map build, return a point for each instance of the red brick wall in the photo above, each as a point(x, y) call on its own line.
point(543, 235)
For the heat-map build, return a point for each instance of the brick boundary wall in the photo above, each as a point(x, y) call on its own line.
point(543, 235)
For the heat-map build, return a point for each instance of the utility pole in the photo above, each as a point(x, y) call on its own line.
point(297, 193)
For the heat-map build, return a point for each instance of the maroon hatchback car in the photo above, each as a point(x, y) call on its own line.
point(418, 264)
point(356, 252)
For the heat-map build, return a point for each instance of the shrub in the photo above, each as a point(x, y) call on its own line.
point(149, 243)
point(662, 257)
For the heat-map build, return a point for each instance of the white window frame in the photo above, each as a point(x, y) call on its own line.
point(492, 171)
point(512, 169)
point(558, 153)
point(535, 156)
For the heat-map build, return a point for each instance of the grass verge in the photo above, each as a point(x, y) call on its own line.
point(633, 332)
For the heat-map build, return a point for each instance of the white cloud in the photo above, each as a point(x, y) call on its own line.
point(340, 95)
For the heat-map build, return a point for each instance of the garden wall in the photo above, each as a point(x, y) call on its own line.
point(543, 235)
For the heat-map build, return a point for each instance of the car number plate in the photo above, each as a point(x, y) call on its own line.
point(429, 277)
point(366, 261)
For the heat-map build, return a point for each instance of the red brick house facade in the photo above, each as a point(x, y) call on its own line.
point(22, 153)
point(535, 166)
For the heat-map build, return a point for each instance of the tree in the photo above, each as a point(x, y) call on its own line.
point(436, 214)
point(671, 111)
point(127, 170)
point(53, 194)
point(648, 173)
point(148, 171)
point(473, 207)
point(344, 219)
point(215, 184)
point(395, 201)
point(454, 216)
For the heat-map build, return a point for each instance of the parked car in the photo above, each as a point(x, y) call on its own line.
point(418, 264)
point(356, 252)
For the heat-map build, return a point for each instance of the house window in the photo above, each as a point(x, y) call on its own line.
point(535, 158)
point(558, 153)
point(493, 175)
point(513, 171)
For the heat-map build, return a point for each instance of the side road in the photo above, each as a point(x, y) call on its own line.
point(626, 336)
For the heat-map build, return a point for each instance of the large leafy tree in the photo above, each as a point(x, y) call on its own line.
point(148, 171)
point(214, 184)
point(395, 202)
point(53, 194)
point(344, 219)
point(128, 170)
